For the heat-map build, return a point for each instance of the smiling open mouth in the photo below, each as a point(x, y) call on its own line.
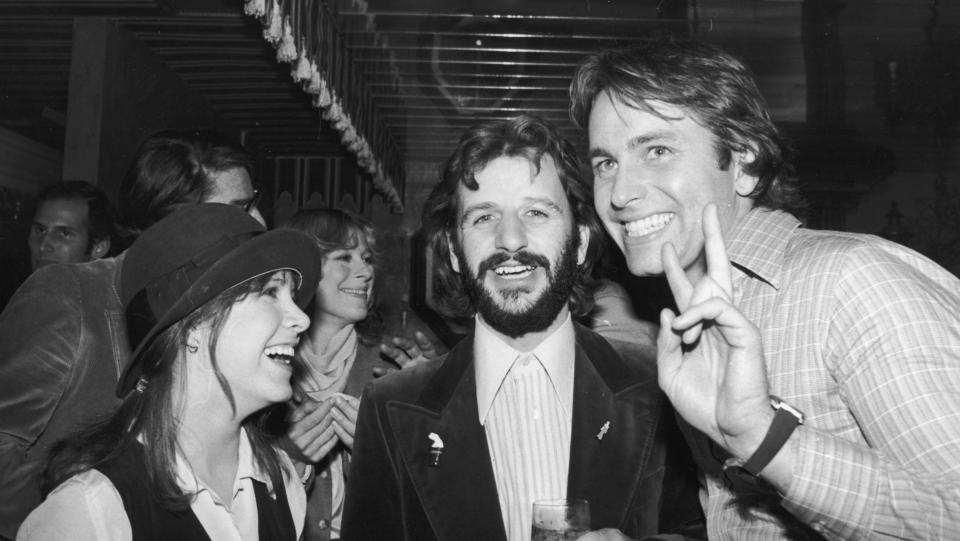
point(648, 225)
point(514, 271)
point(355, 292)
point(281, 354)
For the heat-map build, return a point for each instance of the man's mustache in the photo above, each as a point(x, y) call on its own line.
point(521, 257)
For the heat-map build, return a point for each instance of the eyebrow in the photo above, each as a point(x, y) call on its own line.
point(638, 141)
point(55, 227)
point(529, 200)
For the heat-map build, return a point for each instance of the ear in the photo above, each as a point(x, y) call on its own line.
point(454, 260)
point(745, 182)
point(100, 249)
point(584, 243)
point(194, 340)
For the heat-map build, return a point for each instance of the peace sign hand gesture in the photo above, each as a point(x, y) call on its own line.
point(710, 357)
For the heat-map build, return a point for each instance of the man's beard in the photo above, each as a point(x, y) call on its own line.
point(536, 316)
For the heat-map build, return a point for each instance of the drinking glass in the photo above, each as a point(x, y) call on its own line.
point(560, 520)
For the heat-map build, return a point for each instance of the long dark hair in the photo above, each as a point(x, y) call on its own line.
point(338, 229)
point(715, 87)
point(151, 412)
point(532, 138)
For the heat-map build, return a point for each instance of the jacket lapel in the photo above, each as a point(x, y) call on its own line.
point(459, 494)
point(615, 413)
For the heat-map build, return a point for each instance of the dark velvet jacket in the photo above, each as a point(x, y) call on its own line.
point(394, 492)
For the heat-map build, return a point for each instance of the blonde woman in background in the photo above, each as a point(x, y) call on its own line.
point(338, 355)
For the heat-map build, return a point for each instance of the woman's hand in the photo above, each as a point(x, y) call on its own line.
point(344, 414)
point(312, 429)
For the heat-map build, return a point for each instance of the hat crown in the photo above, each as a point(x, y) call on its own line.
point(170, 255)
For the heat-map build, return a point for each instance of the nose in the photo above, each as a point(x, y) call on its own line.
point(363, 269)
point(46, 245)
point(629, 185)
point(296, 319)
point(511, 233)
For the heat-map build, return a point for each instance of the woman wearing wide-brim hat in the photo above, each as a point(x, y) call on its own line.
point(214, 314)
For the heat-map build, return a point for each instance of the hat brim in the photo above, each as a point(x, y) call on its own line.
point(272, 251)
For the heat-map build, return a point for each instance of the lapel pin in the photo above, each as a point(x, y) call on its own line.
point(603, 430)
point(436, 449)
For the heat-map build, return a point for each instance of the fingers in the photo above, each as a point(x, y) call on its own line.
point(321, 447)
point(736, 329)
point(669, 355)
point(345, 426)
point(380, 372)
point(345, 418)
point(401, 350)
point(315, 444)
point(718, 264)
point(683, 291)
point(346, 404)
point(406, 353)
point(427, 348)
point(677, 279)
point(308, 423)
point(395, 354)
point(313, 433)
point(304, 408)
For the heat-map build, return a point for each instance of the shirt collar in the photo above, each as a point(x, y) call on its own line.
point(757, 244)
point(247, 467)
point(493, 359)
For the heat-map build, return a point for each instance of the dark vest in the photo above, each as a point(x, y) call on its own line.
point(150, 521)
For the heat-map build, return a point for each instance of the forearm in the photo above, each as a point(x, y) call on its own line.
point(846, 490)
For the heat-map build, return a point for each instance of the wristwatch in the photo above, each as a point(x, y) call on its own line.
point(785, 421)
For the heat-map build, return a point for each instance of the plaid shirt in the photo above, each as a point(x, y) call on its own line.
point(863, 336)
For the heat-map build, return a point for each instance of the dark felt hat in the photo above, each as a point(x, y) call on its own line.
point(191, 256)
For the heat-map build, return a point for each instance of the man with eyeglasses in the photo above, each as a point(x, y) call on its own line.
point(63, 335)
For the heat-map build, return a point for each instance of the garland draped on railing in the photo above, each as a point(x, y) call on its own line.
point(306, 36)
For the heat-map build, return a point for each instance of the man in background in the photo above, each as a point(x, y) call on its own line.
point(63, 340)
point(73, 223)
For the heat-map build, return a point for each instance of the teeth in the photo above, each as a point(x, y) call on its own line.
point(513, 270)
point(282, 354)
point(648, 225)
point(358, 292)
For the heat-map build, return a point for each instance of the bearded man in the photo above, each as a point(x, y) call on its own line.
point(531, 405)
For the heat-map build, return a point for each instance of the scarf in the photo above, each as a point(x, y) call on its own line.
point(326, 371)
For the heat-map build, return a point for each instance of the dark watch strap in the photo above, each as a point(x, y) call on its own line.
point(786, 420)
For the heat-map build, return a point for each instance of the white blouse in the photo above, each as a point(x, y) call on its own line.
point(88, 507)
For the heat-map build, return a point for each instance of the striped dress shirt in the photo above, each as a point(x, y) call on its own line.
point(525, 405)
point(863, 336)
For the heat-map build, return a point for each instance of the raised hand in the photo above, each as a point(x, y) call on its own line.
point(406, 353)
point(344, 414)
point(312, 429)
point(710, 357)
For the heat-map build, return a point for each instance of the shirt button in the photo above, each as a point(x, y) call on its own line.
point(324, 474)
point(323, 524)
